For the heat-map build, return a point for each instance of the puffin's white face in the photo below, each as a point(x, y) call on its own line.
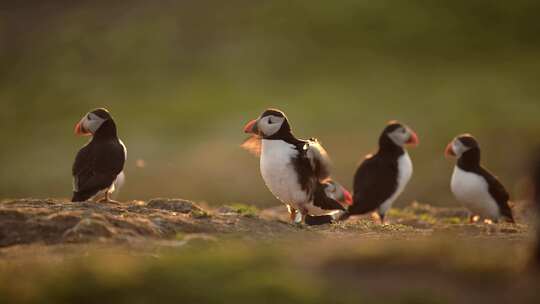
point(403, 136)
point(89, 124)
point(336, 192)
point(331, 191)
point(92, 122)
point(459, 148)
point(460, 145)
point(270, 125)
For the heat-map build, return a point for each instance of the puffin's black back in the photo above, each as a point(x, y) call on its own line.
point(376, 178)
point(374, 182)
point(306, 175)
point(98, 164)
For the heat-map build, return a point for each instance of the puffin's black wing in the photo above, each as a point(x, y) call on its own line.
point(374, 182)
point(318, 159)
point(321, 200)
point(96, 168)
point(499, 193)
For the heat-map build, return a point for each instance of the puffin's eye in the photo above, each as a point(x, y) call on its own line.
point(88, 117)
point(270, 120)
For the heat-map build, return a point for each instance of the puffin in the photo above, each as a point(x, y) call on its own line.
point(296, 171)
point(475, 187)
point(382, 177)
point(329, 192)
point(329, 195)
point(100, 163)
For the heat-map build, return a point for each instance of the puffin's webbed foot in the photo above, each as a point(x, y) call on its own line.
point(298, 218)
point(378, 218)
point(473, 218)
point(106, 199)
point(292, 213)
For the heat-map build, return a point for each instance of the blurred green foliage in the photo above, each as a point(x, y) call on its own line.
point(182, 77)
point(437, 271)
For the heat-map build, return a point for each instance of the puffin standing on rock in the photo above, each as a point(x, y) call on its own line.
point(295, 171)
point(99, 163)
point(382, 177)
point(475, 187)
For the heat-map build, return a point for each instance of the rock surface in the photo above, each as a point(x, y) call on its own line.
point(48, 222)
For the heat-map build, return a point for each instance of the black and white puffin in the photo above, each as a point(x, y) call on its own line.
point(294, 170)
point(100, 162)
point(475, 187)
point(382, 177)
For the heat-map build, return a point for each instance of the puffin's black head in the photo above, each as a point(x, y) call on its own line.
point(460, 145)
point(271, 124)
point(399, 134)
point(92, 121)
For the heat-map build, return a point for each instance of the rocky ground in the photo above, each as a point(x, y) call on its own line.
point(50, 222)
point(424, 254)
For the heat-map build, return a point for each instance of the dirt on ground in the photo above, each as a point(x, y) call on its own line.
point(423, 254)
point(31, 221)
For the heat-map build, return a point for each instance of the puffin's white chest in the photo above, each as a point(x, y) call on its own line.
point(405, 171)
point(472, 191)
point(123, 147)
point(279, 174)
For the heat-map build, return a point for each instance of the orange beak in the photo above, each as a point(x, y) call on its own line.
point(413, 140)
point(251, 127)
point(80, 130)
point(449, 152)
point(348, 197)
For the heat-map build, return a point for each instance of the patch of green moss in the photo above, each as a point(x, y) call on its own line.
point(400, 213)
point(428, 218)
point(200, 214)
point(452, 220)
point(244, 210)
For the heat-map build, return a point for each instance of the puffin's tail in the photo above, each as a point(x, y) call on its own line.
point(511, 220)
point(509, 213)
point(82, 196)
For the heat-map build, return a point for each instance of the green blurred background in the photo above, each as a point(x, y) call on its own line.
point(182, 77)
